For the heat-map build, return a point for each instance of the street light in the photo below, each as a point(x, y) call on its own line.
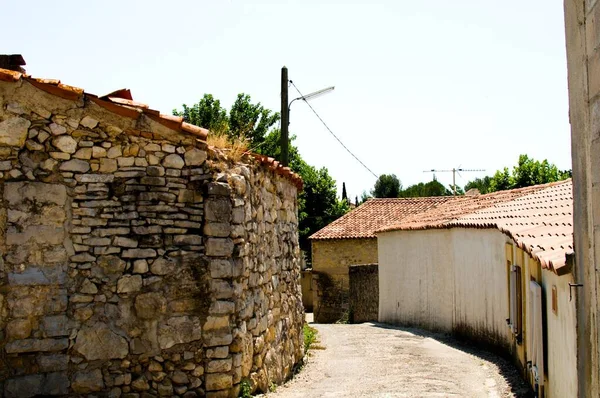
point(285, 112)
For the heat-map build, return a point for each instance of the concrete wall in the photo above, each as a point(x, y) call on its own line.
point(456, 280)
point(330, 260)
point(364, 293)
point(416, 279)
point(133, 264)
point(582, 26)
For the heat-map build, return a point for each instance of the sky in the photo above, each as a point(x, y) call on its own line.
point(419, 85)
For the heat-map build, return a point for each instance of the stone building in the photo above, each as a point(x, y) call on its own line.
point(351, 240)
point(135, 258)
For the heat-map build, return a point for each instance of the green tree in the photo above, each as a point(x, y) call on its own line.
point(527, 172)
point(387, 186)
point(431, 188)
point(249, 120)
point(481, 184)
point(245, 119)
point(207, 113)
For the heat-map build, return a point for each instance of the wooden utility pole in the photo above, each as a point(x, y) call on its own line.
point(453, 171)
point(285, 118)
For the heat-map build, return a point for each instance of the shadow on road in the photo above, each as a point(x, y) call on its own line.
point(513, 378)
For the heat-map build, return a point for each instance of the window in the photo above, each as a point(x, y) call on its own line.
point(554, 300)
point(516, 303)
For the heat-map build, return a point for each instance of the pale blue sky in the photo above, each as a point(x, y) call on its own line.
point(419, 84)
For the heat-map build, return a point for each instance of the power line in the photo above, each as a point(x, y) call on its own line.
point(334, 136)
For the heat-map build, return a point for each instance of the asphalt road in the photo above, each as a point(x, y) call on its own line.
point(375, 360)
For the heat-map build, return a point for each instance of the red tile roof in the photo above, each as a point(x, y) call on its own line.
point(121, 102)
point(375, 214)
point(539, 219)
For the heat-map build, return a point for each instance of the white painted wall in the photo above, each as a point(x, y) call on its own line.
point(416, 277)
point(441, 279)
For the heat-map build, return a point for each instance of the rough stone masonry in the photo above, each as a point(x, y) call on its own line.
point(136, 261)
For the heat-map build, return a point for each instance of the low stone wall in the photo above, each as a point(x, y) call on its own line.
point(364, 293)
point(134, 265)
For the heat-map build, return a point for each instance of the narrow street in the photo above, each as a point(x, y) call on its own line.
point(376, 360)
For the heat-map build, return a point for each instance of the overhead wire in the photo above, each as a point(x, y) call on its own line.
point(331, 132)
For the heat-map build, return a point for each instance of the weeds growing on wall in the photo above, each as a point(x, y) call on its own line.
point(245, 389)
point(235, 147)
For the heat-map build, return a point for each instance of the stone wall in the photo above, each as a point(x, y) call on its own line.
point(364, 293)
point(134, 265)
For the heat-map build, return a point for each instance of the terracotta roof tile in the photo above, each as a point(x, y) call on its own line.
point(121, 102)
point(375, 214)
point(538, 218)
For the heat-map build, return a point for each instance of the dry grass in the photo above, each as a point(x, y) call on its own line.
point(235, 148)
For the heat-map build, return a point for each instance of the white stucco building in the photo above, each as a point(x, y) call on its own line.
point(493, 268)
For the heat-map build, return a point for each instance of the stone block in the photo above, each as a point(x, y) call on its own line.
point(218, 381)
point(56, 383)
point(139, 253)
point(18, 329)
point(57, 129)
point(219, 247)
point(86, 382)
point(219, 366)
point(56, 326)
point(34, 276)
point(173, 161)
point(108, 165)
point(178, 330)
point(180, 377)
point(95, 178)
point(88, 122)
point(53, 362)
point(75, 165)
point(36, 345)
point(129, 284)
point(111, 264)
point(35, 233)
point(15, 193)
point(163, 266)
point(219, 189)
point(221, 268)
point(182, 240)
point(216, 322)
point(13, 132)
point(216, 229)
point(24, 387)
point(100, 343)
point(65, 143)
point(218, 210)
point(150, 305)
point(195, 157)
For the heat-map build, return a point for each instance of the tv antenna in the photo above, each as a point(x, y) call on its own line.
point(453, 171)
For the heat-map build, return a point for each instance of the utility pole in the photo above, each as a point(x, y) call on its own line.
point(453, 171)
point(284, 118)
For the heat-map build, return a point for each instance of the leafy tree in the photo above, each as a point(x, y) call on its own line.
point(245, 119)
point(364, 197)
point(344, 193)
point(251, 121)
point(431, 188)
point(527, 172)
point(387, 186)
point(207, 113)
point(481, 184)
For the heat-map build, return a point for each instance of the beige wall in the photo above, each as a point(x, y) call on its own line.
point(456, 280)
point(333, 256)
point(330, 261)
point(583, 61)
